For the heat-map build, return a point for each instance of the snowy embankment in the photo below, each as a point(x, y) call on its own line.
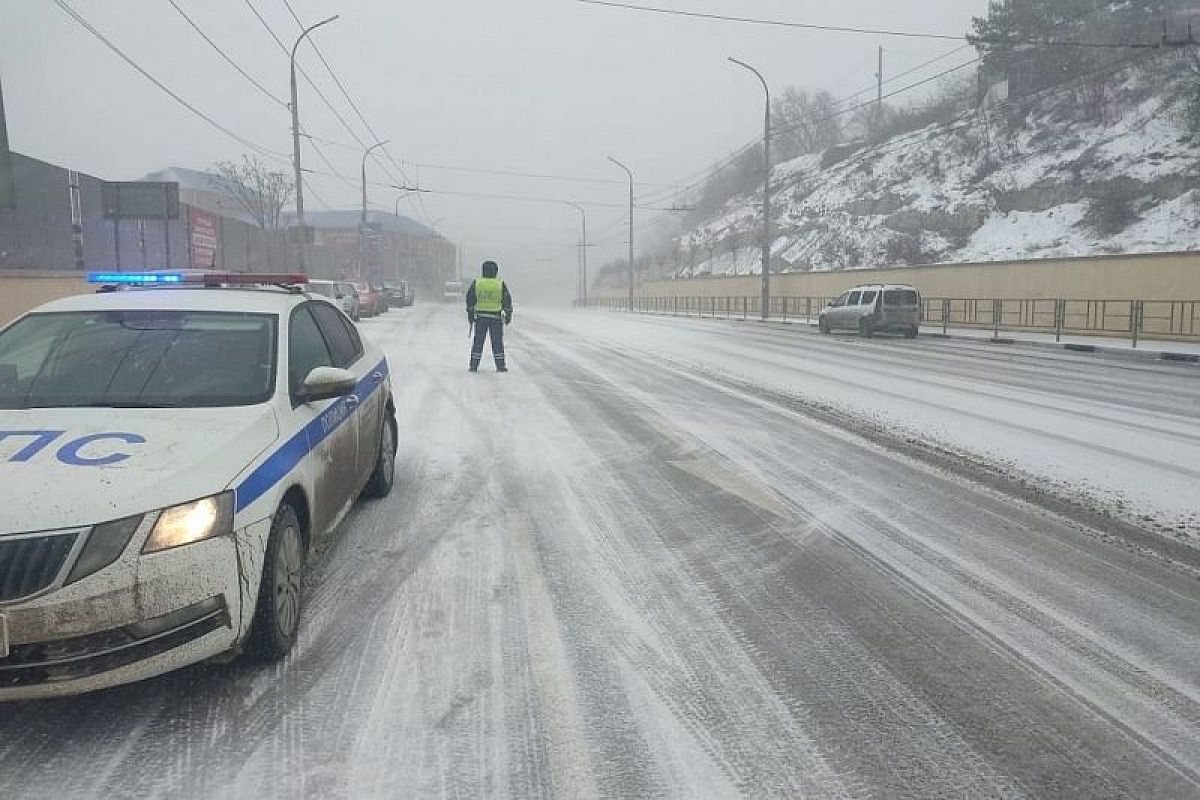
point(1121, 438)
point(1040, 178)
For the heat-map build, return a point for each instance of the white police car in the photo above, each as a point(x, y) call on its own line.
point(169, 454)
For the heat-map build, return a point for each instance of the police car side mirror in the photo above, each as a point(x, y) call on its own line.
point(326, 383)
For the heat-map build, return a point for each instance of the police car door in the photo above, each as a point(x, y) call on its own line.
point(348, 353)
point(332, 424)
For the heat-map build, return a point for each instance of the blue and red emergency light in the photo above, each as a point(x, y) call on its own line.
point(197, 278)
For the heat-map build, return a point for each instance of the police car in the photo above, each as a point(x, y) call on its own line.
point(171, 449)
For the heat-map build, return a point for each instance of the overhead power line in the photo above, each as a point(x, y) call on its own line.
point(75, 15)
point(867, 103)
point(349, 129)
point(775, 22)
point(312, 84)
point(229, 59)
point(699, 177)
point(345, 93)
point(519, 198)
point(911, 71)
point(539, 175)
point(334, 170)
point(498, 170)
point(975, 40)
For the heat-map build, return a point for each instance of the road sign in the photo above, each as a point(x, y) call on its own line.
point(140, 200)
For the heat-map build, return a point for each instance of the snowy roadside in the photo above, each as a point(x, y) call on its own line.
point(1151, 349)
point(1121, 439)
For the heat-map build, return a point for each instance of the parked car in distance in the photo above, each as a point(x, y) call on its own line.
point(370, 301)
point(878, 308)
point(399, 294)
point(452, 292)
point(341, 293)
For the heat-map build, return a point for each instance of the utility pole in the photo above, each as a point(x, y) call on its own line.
point(296, 141)
point(628, 172)
point(879, 91)
point(879, 78)
point(583, 246)
point(364, 267)
point(766, 231)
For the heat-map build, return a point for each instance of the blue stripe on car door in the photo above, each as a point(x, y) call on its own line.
point(285, 459)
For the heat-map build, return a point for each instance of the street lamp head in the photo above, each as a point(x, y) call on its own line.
point(304, 34)
point(628, 171)
point(375, 146)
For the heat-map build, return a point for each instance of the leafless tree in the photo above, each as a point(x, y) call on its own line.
point(806, 123)
point(261, 192)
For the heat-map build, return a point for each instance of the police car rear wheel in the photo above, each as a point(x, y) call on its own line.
point(384, 475)
point(280, 591)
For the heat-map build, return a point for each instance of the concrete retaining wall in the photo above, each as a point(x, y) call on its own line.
point(22, 291)
point(1157, 276)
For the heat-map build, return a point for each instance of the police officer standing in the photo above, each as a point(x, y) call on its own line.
point(489, 308)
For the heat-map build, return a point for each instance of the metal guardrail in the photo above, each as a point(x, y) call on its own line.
point(1134, 319)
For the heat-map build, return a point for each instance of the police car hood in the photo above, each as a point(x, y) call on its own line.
point(64, 467)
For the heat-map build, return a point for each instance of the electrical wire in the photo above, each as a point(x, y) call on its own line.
point(778, 23)
point(77, 17)
point(500, 171)
point(538, 175)
point(346, 94)
point(974, 40)
point(227, 57)
point(523, 198)
point(732, 158)
point(312, 84)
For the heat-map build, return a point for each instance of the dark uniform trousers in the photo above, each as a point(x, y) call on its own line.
point(488, 325)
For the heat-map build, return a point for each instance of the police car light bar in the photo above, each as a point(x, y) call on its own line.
point(135, 278)
point(197, 278)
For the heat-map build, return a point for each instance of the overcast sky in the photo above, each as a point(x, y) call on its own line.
point(540, 86)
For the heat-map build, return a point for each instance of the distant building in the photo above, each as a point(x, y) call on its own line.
point(203, 190)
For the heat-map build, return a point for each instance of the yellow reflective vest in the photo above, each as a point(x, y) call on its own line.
point(489, 295)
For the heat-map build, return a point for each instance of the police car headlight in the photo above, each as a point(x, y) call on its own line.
point(192, 522)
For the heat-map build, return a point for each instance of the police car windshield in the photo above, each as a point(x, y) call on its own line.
point(138, 359)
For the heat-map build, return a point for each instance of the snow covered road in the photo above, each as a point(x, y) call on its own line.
point(634, 567)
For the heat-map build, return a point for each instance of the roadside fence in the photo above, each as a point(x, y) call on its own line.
point(1136, 320)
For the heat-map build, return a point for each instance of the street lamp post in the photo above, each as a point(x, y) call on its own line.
point(766, 232)
point(362, 228)
point(296, 137)
point(583, 246)
point(628, 172)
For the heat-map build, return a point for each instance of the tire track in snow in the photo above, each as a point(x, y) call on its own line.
point(786, 473)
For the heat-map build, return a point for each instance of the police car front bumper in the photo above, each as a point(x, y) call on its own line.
point(139, 618)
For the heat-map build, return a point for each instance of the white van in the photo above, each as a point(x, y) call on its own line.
point(452, 292)
point(893, 308)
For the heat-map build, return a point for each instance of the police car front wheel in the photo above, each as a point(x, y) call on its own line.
point(383, 476)
point(277, 616)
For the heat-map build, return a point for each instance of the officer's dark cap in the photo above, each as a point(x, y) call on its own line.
point(490, 269)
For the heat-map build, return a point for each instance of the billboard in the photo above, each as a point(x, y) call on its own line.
point(203, 238)
point(140, 200)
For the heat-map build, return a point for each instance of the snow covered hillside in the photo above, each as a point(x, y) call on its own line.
point(1105, 165)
